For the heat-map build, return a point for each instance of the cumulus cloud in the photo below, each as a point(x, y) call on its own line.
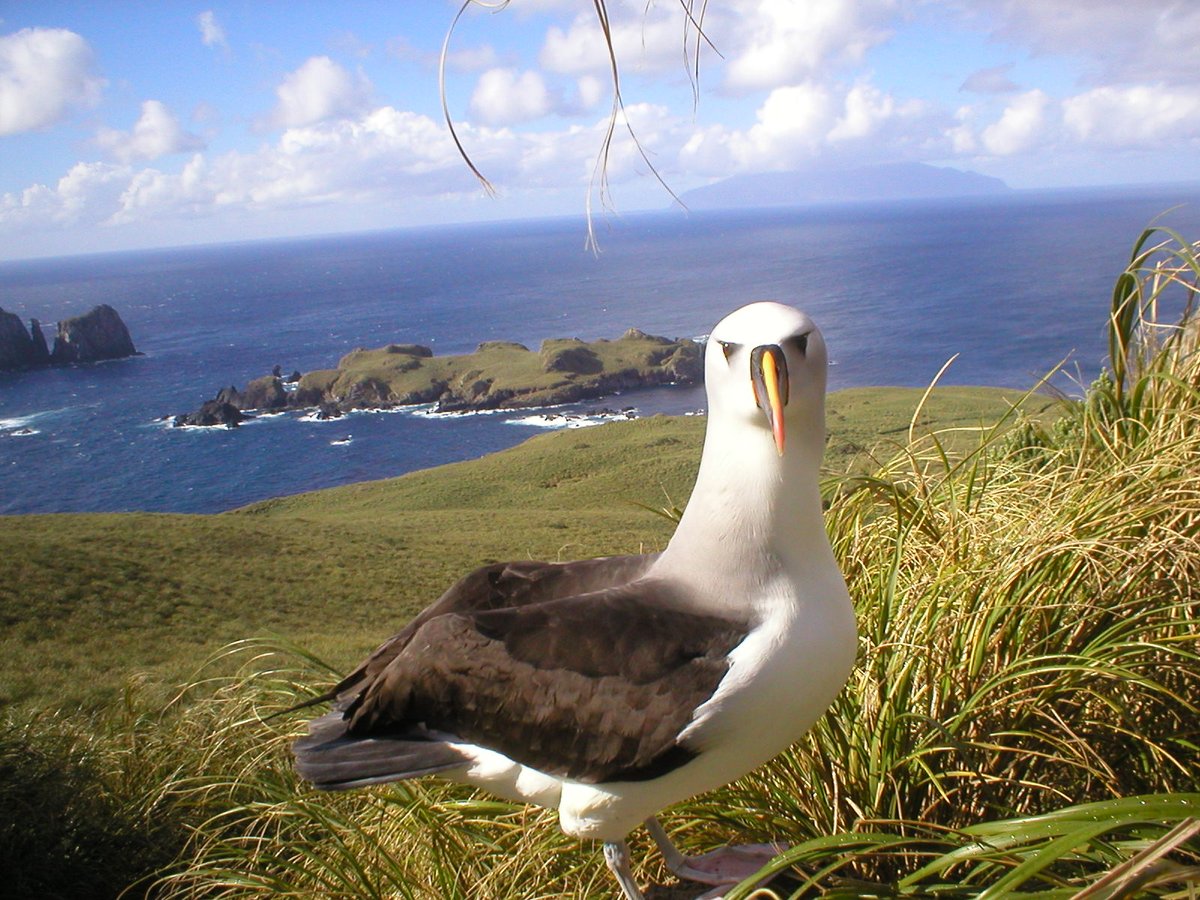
point(44, 73)
point(645, 39)
point(1021, 126)
point(1135, 116)
point(797, 123)
point(780, 42)
point(156, 133)
point(507, 97)
point(74, 198)
point(319, 90)
point(383, 156)
point(211, 32)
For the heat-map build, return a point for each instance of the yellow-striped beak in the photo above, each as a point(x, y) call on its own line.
point(769, 375)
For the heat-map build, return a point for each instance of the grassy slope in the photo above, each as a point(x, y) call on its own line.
point(87, 601)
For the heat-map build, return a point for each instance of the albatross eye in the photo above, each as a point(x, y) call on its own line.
point(800, 342)
point(728, 348)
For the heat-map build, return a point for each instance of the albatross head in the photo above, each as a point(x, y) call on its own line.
point(765, 368)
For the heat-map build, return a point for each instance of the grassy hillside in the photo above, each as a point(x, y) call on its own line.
point(88, 601)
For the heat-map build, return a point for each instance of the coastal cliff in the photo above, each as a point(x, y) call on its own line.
point(498, 375)
point(98, 334)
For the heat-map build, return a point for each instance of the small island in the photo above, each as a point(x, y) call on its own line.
point(98, 334)
point(498, 375)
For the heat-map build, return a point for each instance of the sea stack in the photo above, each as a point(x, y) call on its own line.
point(96, 335)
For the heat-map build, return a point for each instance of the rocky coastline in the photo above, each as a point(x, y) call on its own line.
point(498, 375)
point(97, 335)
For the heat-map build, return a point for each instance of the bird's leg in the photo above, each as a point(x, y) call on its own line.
point(616, 854)
point(726, 865)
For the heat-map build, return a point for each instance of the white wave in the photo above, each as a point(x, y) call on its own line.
point(571, 420)
point(430, 411)
point(14, 422)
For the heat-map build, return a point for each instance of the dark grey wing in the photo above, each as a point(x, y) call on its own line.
point(595, 687)
point(499, 586)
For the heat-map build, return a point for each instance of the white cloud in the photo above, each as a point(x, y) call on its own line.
point(1136, 116)
point(156, 133)
point(866, 109)
point(779, 42)
point(507, 97)
point(591, 92)
point(645, 39)
point(44, 73)
point(1020, 127)
point(319, 90)
point(798, 123)
point(211, 32)
point(1120, 41)
point(85, 187)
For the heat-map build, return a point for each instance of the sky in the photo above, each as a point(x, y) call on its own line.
point(140, 123)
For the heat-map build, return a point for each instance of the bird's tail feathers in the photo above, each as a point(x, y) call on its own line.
point(333, 761)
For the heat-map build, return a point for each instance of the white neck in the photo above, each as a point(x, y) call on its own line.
point(753, 515)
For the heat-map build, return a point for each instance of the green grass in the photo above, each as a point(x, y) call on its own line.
point(89, 601)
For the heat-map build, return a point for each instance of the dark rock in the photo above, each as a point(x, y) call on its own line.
point(41, 351)
point(264, 393)
point(327, 411)
point(213, 413)
point(294, 378)
point(366, 393)
point(16, 346)
point(230, 395)
point(277, 372)
point(96, 335)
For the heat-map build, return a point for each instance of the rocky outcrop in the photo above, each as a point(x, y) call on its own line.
point(498, 375)
point(96, 335)
point(212, 413)
point(41, 352)
point(18, 350)
point(264, 393)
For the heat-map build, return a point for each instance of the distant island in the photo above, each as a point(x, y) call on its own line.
point(498, 375)
point(893, 181)
point(98, 334)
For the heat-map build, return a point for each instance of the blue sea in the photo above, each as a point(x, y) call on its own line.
point(1011, 286)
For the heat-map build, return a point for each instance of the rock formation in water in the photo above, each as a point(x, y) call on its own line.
point(96, 335)
point(498, 375)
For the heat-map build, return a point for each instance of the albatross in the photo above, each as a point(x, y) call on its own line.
point(611, 688)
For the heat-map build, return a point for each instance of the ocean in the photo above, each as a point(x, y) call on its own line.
point(1010, 286)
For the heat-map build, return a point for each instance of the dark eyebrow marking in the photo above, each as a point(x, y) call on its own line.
point(800, 342)
point(729, 348)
